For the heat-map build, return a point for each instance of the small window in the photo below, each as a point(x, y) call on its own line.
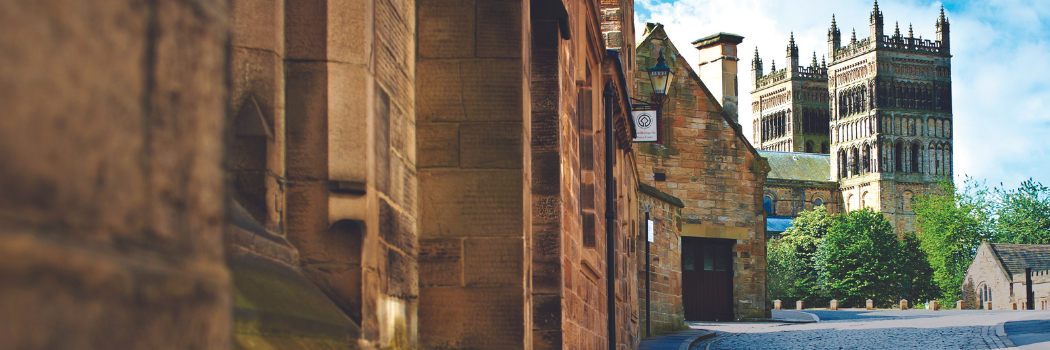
point(687, 260)
point(660, 177)
point(767, 203)
point(817, 202)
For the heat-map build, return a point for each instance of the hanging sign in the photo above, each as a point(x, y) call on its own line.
point(649, 225)
point(646, 123)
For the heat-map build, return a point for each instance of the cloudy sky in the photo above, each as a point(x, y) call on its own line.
point(1000, 63)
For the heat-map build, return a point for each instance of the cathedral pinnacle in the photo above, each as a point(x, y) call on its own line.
point(823, 64)
point(910, 33)
point(772, 66)
point(876, 15)
point(853, 37)
point(897, 30)
point(814, 63)
point(939, 20)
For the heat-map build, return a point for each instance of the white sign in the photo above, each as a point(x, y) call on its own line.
point(647, 126)
point(650, 226)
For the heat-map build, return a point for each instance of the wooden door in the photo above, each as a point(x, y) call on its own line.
point(707, 279)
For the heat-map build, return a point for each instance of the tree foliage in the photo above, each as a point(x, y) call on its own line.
point(952, 224)
point(849, 257)
point(1024, 214)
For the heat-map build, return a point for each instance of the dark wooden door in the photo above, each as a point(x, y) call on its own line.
point(707, 279)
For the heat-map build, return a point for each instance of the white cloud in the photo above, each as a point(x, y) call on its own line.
point(1000, 65)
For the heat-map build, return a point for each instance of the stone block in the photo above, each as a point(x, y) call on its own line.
point(401, 275)
point(446, 28)
point(499, 29)
point(348, 123)
point(798, 305)
point(470, 90)
point(869, 305)
point(438, 145)
point(904, 304)
point(465, 203)
point(471, 317)
point(546, 312)
point(776, 304)
point(834, 305)
point(441, 262)
point(306, 30)
point(493, 261)
point(348, 35)
point(257, 24)
point(397, 228)
point(491, 145)
point(307, 120)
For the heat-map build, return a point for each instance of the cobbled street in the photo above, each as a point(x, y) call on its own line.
point(860, 329)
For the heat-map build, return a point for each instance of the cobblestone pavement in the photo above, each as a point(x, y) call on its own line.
point(859, 329)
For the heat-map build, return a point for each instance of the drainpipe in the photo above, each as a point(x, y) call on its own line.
point(610, 216)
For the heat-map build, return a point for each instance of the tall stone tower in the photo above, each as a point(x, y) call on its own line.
point(891, 117)
point(790, 106)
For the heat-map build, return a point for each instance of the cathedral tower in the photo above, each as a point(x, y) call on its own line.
point(891, 118)
point(790, 106)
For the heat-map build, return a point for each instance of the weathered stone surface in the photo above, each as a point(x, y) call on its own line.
point(460, 203)
point(469, 90)
point(441, 262)
point(493, 261)
point(498, 29)
point(491, 145)
point(446, 28)
point(438, 145)
point(458, 318)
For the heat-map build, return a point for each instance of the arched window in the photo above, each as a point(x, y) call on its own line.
point(809, 146)
point(817, 202)
point(915, 157)
point(767, 203)
point(824, 147)
point(898, 156)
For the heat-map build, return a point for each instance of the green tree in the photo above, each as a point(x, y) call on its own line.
point(952, 224)
point(860, 259)
point(790, 258)
point(1024, 214)
point(915, 273)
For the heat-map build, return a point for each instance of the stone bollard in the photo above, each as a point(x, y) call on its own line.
point(1013, 305)
point(798, 305)
point(776, 304)
point(959, 304)
point(834, 305)
point(904, 304)
point(988, 305)
point(934, 305)
point(870, 305)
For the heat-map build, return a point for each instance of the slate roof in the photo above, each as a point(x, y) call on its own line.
point(1016, 257)
point(798, 166)
point(778, 224)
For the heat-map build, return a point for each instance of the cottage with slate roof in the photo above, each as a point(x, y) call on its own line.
point(705, 160)
point(996, 278)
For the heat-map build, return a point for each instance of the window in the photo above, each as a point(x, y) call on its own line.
point(817, 202)
point(767, 203)
point(660, 177)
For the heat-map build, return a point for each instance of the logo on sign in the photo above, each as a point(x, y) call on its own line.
point(646, 125)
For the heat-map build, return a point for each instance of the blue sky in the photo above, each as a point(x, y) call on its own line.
point(1000, 64)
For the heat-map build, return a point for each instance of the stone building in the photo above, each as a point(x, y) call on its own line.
point(665, 266)
point(295, 174)
point(890, 124)
point(997, 277)
point(797, 181)
point(705, 161)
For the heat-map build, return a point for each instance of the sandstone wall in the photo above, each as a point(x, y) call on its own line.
point(985, 271)
point(666, 265)
point(110, 168)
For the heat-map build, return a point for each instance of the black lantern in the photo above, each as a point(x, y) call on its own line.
point(660, 76)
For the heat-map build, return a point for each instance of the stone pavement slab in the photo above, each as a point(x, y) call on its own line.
point(680, 340)
point(790, 316)
point(1028, 334)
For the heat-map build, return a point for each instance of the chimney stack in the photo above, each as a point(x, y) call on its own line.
point(717, 69)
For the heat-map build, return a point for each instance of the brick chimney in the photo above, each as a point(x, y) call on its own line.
point(718, 60)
